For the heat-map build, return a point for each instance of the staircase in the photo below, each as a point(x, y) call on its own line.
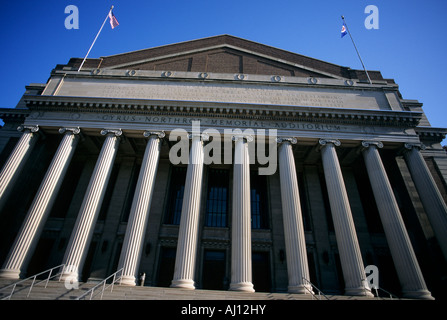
point(55, 290)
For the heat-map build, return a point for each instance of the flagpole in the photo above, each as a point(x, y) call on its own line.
point(95, 39)
point(369, 79)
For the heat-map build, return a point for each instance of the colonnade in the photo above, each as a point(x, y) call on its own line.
point(410, 275)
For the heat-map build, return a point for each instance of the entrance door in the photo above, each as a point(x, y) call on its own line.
point(213, 275)
point(166, 267)
point(261, 271)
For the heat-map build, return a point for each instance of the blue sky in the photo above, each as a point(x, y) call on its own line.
point(410, 45)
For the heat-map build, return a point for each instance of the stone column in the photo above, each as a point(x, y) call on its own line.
point(139, 212)
point(297, 265)
point(84, 226)
point(185, 259)
point(16, 160)
point(407, 267)
point(431, 198)
point(241, 266)
point(31, 229)
point(348, 246)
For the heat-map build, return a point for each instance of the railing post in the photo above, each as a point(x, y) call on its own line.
point(103, 287)
point(31, 287)
point(49, 276)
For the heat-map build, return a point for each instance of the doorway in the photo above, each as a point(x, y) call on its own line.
point(213, 275)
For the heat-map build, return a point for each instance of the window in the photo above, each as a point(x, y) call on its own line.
point(213, 275)
point(217, 198)
point(258, 199)
point(175, 195)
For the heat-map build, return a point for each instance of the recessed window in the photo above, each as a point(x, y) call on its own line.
point(259, 201)
point(217, 198)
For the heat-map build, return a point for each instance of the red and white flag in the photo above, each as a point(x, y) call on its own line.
point(113, 22)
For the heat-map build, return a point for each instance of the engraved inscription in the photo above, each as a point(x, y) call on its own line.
point(222, 122)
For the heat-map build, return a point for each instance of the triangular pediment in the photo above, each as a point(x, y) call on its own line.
point(225, 54)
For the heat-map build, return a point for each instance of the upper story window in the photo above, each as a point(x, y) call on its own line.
point(259, 201)
point(217, 198)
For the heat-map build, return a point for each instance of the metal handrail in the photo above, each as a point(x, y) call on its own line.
point(377, 293)
point(103, 284)
point(387, 292)
point(14, 285)
point(315, 287)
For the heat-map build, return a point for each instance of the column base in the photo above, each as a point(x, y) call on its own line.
point(300, 289)
point(183, 284)
point(420, 294)
point(366, 292)
point(127, 281)
point(10, 273)
point(242, 286)
point(69, 276)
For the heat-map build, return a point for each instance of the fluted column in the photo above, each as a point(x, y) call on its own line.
point(139, 212)
point(297, 264)
point(185, 259)
point(407, 267)
point(431, 198)
point(31, 229)
point(84, 226)
point(16, 160)
point(241, 265)
point(348, 246)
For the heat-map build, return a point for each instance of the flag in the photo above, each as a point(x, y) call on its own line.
point(343, 30)
point(113, 22)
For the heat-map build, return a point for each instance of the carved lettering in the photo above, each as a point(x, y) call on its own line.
point(235, 123)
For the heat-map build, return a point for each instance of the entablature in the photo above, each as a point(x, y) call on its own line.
point(242, 111)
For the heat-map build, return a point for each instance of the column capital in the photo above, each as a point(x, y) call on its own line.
point(419, 145)
point(247, 137)
point(116, 132)
point(368, 143)
point(202, 136)
point(159, 134)
point(292, 140)
point(23, 127)
point(324, 142)
point(73, 130)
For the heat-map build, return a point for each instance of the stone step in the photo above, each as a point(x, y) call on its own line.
point(56, 290)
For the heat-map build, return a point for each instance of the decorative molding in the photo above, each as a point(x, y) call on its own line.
point(324, 142)
point(248, 138)
point(313, 80)
point(225, 110)
point(203, 136)
point(73, 130)
point(292, 140)
point(160, 134)
point(368, 143)
point(410, 146)
point(32, 129)
point(116, 132)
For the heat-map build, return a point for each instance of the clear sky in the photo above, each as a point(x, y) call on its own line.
point(410, 45)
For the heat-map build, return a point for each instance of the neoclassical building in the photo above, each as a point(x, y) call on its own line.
point(224, 164)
